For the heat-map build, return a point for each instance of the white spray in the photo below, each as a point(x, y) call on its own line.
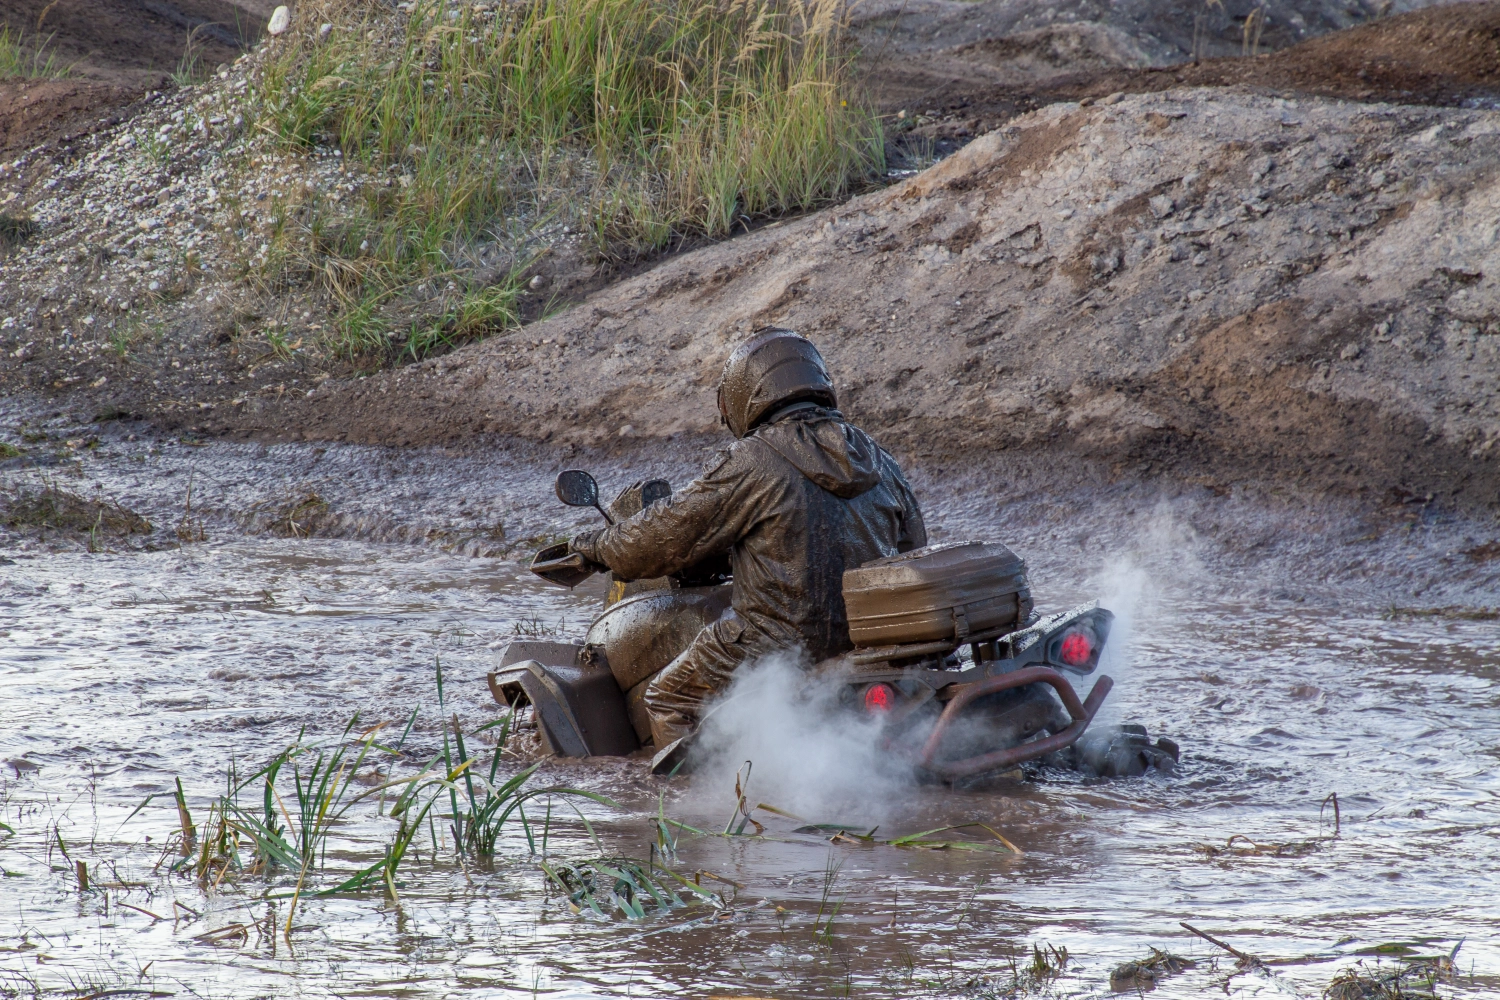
point(810, 757)
point(1133, 585)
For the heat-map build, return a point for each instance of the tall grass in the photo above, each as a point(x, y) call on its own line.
point(636, 122)
point(17, 59)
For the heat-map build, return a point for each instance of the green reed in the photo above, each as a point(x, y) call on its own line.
point(277, 820)
point(28, 61)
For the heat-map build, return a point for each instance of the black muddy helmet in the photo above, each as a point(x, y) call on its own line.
point(773, 369)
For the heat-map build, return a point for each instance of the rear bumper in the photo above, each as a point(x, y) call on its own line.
point(1081, 712)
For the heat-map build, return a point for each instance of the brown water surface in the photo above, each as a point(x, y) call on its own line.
point(121, 672)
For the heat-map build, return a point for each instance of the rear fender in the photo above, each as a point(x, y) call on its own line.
point(580, 710)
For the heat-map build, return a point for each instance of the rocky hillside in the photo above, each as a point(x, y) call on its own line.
point(1227, 284)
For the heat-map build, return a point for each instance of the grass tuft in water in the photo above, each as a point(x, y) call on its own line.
point(828, 908)
point(276, 822)
point(624, 886)
point(56, 509)
point(298, 516)
point(1143, 975)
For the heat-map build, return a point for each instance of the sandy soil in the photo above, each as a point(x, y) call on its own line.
point(1251, 269)
point(117, 51)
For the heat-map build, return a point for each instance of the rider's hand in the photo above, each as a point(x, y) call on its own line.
point(585, 544)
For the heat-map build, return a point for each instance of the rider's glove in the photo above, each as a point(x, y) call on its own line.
point(586, 545)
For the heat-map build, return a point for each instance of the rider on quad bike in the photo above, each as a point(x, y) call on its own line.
point(800, 497)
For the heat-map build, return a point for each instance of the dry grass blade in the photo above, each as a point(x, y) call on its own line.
point(54, 508)
point(1143, 975)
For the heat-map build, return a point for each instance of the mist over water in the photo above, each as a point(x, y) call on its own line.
point(809, 755)
point(1141, 583)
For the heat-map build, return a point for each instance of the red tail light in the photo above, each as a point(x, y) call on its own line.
point(1077, 649)
point(879, 698)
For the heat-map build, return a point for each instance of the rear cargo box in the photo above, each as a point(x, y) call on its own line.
point(937, 593)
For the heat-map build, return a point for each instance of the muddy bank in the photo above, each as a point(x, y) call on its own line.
point(492, 498)
point(1218, 285)
point(1442, 55)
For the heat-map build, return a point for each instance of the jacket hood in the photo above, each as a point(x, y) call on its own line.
point(836, 455)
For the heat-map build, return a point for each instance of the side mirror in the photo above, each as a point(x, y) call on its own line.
point(577, 488)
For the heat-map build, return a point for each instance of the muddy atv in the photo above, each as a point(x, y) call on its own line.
point(962, 675)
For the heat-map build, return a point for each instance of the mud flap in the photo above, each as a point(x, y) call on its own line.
point(505, 682)
point(580, 710)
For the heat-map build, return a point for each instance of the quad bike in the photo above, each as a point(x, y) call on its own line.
point(953, 717)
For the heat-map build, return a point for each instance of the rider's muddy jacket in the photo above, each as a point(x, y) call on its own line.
point(796, 502)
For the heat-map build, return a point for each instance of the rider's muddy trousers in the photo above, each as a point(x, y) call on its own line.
point(675, 696)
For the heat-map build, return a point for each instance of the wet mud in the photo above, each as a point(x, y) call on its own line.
point(1293, 649)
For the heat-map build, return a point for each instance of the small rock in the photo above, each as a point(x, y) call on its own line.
point(281, 19)
point(1114, 98)
point(537, 281)
point(1162, 206)
point(627, 430)
point(324, 30)
point(1350, 352)
point(1200, 259)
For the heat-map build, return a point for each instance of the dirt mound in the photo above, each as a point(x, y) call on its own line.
point(1447, 55)
point(33, 112)
point(1226, 286)
point(1441, 55)
point(107, 39)
point(1459, 43)
point(1226, 283)
point(116, 51)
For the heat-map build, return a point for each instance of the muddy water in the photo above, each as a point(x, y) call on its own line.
point(1280, 671)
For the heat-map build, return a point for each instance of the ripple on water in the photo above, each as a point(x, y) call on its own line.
point(120, 674)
